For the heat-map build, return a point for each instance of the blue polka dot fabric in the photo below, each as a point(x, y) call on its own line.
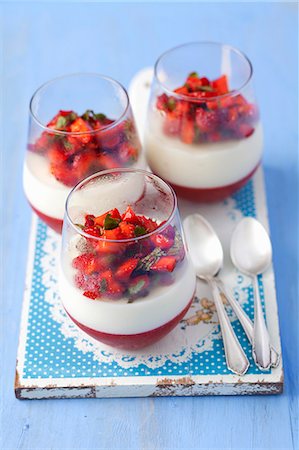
point(50, 353)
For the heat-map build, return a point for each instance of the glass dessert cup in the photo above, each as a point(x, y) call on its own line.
point(125, 278)
point(79, 124)
point(203, 133)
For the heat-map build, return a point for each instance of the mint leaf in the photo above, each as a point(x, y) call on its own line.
point(61, 122)
point(193, 75)
point(177, 245)
point(139, 231)
point(79, 226)
point(100, 117)
point(103, 285)
point(88, 114)
point(110, 223)
point(146, 263)
point(171, 104)
point(137, 287)
point(205, 88)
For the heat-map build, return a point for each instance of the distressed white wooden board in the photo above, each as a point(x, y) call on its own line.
point(56, 360)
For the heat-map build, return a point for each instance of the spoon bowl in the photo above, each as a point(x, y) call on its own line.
point(251, 250)
point(205, 248)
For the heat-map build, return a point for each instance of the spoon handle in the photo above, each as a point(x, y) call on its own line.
point(245, 320)
point(240, 313)
point(261, 342)
point(236, 359)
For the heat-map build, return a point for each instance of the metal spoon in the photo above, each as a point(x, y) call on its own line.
point(251, 253)
point(207, 257)
point(245, 320)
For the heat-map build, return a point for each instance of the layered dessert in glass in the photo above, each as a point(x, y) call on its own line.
point(79, 124)
point(126, 278)
point(203, 133)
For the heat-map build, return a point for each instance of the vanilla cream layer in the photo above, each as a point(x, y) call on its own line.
point(202, 166)
point(120, 317)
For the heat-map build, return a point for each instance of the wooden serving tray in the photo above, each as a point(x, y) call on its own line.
point(57, 360)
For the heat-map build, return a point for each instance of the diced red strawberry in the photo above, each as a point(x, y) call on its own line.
point(53, 122)
point(89, 220)
point(130, 216)
point(42, 143)
point(220, 85)
point(183, 90)
point(187, 130)
point(205, 81)
point(127, 229)
point(169, 231)
point(93, 231)
point(115, 289)
point(87, 263)
point(81, 164)
point(106, 247)
point(56, 154)
point(206, 121)
point(114, 234)
point(172, 125)
point(162, 241)
point(125, 270)
point(106, 162)
point(114, 213)
point(164, 264)
point(88, 282)
point(193, 83)
point(91, 295)
point(127, 152)
point(110, 138)
point(63, 173)
point(149, 224)
point(112, 287)
point(245, 130)
point(80, 126)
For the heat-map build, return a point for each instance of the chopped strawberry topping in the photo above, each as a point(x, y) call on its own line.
point(210, 116)
point(126, 268)
point(116, 268)
point(164, 264)
point(162, 241)
point(77, 146)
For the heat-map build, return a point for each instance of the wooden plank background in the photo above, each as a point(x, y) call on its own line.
point(43, 40)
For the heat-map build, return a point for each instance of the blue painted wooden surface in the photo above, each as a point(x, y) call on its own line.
point(43, 40)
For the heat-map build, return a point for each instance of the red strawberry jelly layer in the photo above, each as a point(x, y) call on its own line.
point(53, 223)
point(134, 341)
point(211, 194)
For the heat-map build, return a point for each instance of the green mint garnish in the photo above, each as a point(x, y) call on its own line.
point(193, 75)
point(72, 116)
point(67, 145)
point(61, 122)
point(110, 223)
point(79, 226)
point(88, 114)
point(177, 245)
point(103, 285)
point(206, 88)
point(146, 263)
point(139, 231)
point(137, 287)
point(171, 104)
point(100, 117)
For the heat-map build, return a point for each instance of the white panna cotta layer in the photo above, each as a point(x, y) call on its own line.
point(160, 306)
point(202, 166)
point(42, 190)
